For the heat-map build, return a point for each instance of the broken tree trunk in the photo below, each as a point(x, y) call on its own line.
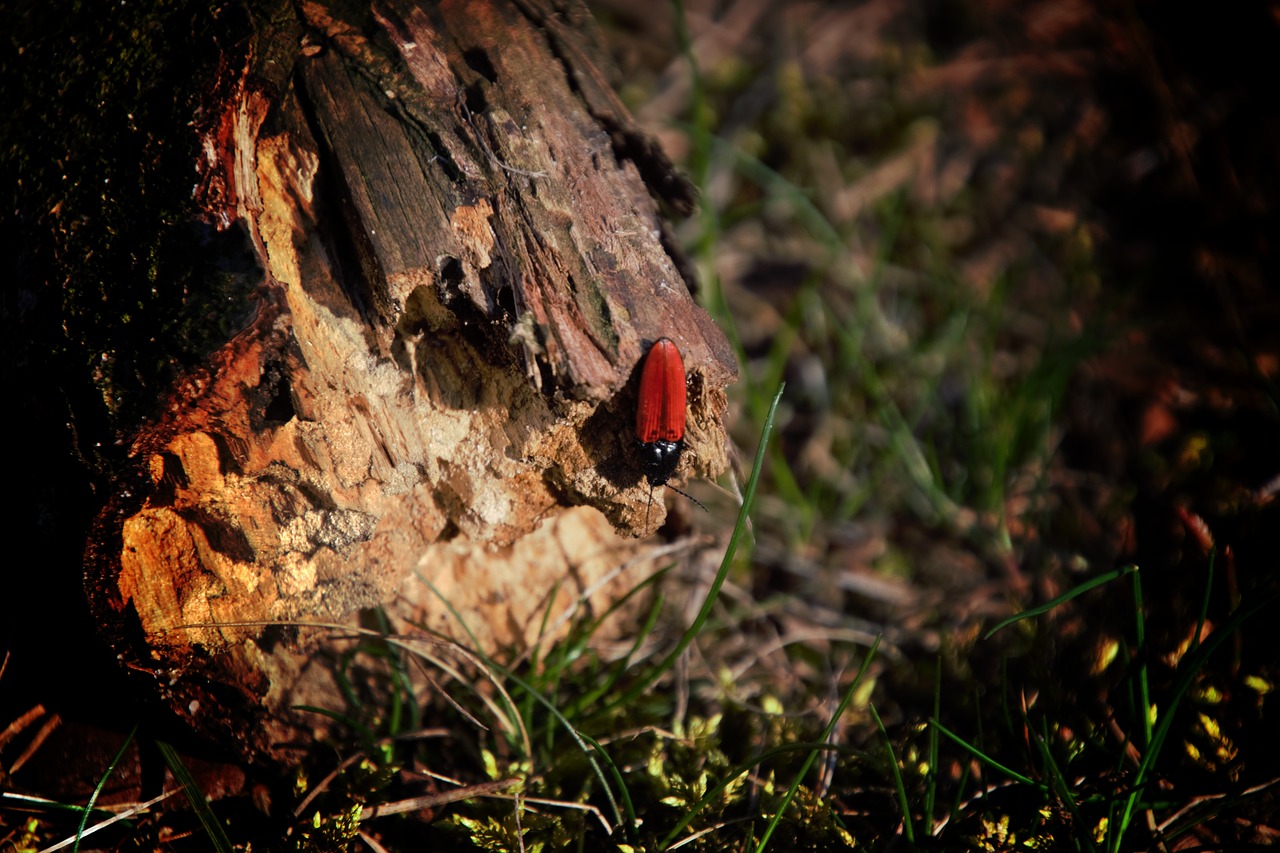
point(462, 262)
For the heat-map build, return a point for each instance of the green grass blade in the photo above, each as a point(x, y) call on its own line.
point(741, 770)
point(587, 750)
point(1144, 683)
point(199, 802)
point(739, 530)
point(97, 789)
point(606, 686)
point(931, 789)
point(590, 750)
point(366, 734)
point(984, 758)
point(1194, 663)
point(813, 754)
point(1059, 781)
point(1092, 583)
point(908, 826)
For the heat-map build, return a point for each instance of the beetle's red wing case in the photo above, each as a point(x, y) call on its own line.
point(660, 411)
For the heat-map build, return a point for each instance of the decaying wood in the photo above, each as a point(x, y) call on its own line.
point(462, 265)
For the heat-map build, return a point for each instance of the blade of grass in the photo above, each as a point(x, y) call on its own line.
point(1092, 583)
point(1144, 683)
point(1051, 769)
point(984, 758)
point(647, 680)
point(1195, 662)
point(610, 681)
point(733, 775)
point(365, 734)
point(590, 750)
point(404, 701)
point(573, 732)
point(122, 817)
point(199, 802)
point(826, 735)
point(565, 653)
point(908, 826)
point(931, 789)
point(509, 706)
point(619, 668)
point(97, 789)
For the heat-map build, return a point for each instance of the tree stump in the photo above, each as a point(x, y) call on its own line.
point(462, 261)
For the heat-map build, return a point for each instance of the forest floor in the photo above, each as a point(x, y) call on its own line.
point(1016, 263)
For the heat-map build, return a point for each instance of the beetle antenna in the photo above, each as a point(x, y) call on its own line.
point(649, 505)
point(686, 494)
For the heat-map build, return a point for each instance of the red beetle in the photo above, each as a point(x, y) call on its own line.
point(660, 415)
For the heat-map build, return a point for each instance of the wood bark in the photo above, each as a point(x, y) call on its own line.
point(462, 262)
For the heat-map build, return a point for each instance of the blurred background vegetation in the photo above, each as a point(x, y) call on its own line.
point(1015, 262)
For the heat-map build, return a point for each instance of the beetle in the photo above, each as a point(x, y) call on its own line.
point(660, 417)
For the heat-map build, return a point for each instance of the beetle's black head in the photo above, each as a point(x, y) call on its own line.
point(658, 460)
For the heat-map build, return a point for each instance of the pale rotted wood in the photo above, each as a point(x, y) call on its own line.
point(463, 265)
